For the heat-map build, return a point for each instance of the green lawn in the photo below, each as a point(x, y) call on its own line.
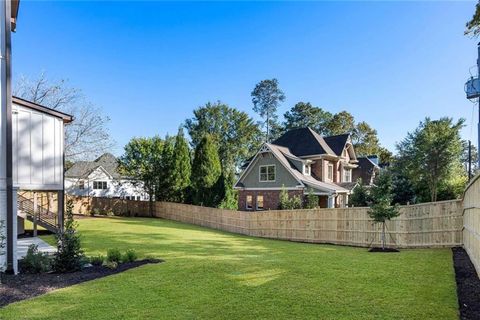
point(215, 275)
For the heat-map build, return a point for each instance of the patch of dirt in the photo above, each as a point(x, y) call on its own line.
point(23, 286)
point(378, 249)
point(468, 285)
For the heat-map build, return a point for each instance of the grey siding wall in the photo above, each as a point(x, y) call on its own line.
point(283, 177)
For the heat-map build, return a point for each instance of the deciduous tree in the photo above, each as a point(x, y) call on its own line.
point(306, 115)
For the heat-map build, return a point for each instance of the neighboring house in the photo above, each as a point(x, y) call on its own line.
point(300, 161)
point(101, 178)
point(368, 169)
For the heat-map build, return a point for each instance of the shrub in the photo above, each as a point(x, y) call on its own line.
point(129, 256)
point(114, 255)
point(69, 256)
point(95, 212)
point(111, 264)
point(289, 203)
point(97, 260)
point(311, 201)
point(3, 243)
point(36, 261)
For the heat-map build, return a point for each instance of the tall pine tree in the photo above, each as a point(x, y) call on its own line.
point(181, 169)
point(206, 171)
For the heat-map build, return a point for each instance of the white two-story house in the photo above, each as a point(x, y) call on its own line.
point(101, 178)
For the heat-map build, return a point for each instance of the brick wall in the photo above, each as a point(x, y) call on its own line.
point(271, 198)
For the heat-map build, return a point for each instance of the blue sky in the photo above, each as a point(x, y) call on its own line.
point(149, 64)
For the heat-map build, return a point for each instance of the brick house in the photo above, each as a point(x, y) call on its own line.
point(301, 161)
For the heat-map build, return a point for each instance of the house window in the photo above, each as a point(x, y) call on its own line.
point(259, 202)
point(330, 172)
point(267, 173)
point(249, 202)
point(347, 175)
point(81, 184)
point(99, 185)
point(307, 169)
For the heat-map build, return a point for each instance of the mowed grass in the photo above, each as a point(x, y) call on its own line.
point(210, 274)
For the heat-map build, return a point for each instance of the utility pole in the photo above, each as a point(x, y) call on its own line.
point(469, 160)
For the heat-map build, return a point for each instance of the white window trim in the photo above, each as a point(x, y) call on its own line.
point(260, 172)
point(305, 166)
point(329, 165)
point(344, 175)
point(256, 202)
point(246, 202)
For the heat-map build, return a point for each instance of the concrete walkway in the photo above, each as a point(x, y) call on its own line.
point(24, 243)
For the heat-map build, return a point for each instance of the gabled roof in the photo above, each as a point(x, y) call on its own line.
point(35, 106)
point(337, 143)
point(304, 142)
point(82, 169)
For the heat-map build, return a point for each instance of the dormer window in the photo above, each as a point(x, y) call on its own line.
point(307, 169)
point(347, 175)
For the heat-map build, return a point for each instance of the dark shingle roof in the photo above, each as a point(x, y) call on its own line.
point(83, 168)
point(337, 143)
point(304, 142)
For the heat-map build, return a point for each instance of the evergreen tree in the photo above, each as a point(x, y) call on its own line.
point(360, 196)
point(181, 170)
point(266, 98)
point(206, 171)
point(164, 190)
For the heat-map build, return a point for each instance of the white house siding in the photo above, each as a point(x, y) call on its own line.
point(116, 188)
point(37, 150)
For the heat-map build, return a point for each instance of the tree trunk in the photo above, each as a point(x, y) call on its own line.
point(383, 235)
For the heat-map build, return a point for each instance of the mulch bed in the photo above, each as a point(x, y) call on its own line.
point(377, 249)
point(468, 285)
point(25, 286)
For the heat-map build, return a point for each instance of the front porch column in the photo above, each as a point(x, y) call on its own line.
point(331, 201)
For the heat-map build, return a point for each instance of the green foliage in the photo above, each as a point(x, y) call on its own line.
point(114, 255)
point(266, 98)
point(130, 256)
point(289, 203)
point(206, 171)
point(97, 260)
point(230, 196)
point(142, 161)
point(235, 133)
point(342, 122)
point(181, 168)
point(472, 27)
point(35, 261)
point(306, 115)
point(164, 176)
point(360, 196)
point(311, 200)
point(365, 139)
point(431, 158)
point(69, 255)
point(381, 209)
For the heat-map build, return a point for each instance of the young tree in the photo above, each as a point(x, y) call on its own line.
point(206, 171)
point(142, 161)
point(87, 136)
point(266, 98)
point(311, 201)
point(182, 168)
point(431, 154)
point(382, 209)
point(305, 115)
point(289, 203)
point(69, 256)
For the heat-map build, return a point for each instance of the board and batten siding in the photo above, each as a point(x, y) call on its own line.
point(471, 221)
point(37, 150)
point(282, 176)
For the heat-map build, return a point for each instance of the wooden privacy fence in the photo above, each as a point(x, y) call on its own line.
point(436, 224)
point(471, 221)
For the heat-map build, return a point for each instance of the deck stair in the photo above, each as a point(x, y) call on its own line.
point(42, 216)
